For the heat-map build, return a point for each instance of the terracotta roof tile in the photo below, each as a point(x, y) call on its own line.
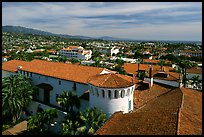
point(132, 68)
point(111, 80)
point(190, 118)
point(157, 117)
point(12, 65)
point(59, 70)
point(195, 70)
point(155, 61)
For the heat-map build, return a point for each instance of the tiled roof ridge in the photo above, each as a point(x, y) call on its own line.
point(115, 80)
point(105, 79)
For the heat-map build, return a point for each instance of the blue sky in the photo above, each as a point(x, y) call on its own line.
point(132, 20)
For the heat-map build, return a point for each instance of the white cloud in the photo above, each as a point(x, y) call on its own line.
point(65, 18)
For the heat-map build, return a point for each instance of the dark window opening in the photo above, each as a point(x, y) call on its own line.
point(103, 93)
point(109, 93)
point(116, 94)
point(74, 87)
point(59, 82)
point(122, 93)
point(31, 74)
point(57, 95)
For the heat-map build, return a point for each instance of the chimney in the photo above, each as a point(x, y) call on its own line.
point(19, 67)
point(150, 76)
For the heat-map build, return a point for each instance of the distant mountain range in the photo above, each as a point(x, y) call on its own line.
point(24, 30)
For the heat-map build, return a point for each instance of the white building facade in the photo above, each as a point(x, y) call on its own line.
point(76, 52)
point(52, 78)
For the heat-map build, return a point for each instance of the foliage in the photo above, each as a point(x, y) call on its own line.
point(68, 100)
point(120, 62)
point(36, 124)
point(120, 69)
point(161, 63)
point(184, 65)
point(83, 123)
point(93, 119)
point(17, 92)
point(74, 60)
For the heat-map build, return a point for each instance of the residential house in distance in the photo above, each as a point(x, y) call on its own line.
point(108, 50)
point(76, 52)
point(96, 87)
point(190, 53)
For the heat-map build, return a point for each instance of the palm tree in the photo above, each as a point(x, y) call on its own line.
point(195, 80)
point(161, 63)
point(68, 100)
point(50, 115)
point(17, 92)
point(185, 64)
point(93, 119)
point(140, 60)
point(36, 124)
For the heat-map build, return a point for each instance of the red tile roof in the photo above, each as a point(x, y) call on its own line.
point(132, 68)
point(158, 116)
point(195, 70)
point(13, 64)
point(71, 48)
point(111, 80)
point(190, 115)
point(59, 70)
point(155, 61)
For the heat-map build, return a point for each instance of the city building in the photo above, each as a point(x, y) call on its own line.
point(190, 53)
point(76, 52)
point(96, 87)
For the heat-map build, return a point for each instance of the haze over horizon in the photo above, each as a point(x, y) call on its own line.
point(179, 21)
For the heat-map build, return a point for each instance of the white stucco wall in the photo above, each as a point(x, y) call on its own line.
point(7, 73)
point(57, 89)
point(171, 83)
point(111, 105)
point(190, 75)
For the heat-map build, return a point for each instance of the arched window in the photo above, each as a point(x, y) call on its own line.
point(109, 93)
point(128, 92)
point(116, 93)
point(122, 93)
point(103, 93)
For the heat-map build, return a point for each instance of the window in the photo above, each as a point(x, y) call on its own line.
point(59, 82)
point(116, 93)
point(128, 92)
point(57, 95)
point(74, 87)
point(109, 93)
point(122, 93)
point(23, 72)
point(27, 74)
point(97, 92)
point(31, 74)
point(103, 93)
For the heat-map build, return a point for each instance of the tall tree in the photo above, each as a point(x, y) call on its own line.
point(17, 92)
point(185, 64)
point(139, 60)
point(161, 63)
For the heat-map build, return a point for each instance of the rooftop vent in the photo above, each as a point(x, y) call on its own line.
point(19, 67)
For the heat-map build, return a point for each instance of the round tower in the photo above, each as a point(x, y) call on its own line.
point(111, 93)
